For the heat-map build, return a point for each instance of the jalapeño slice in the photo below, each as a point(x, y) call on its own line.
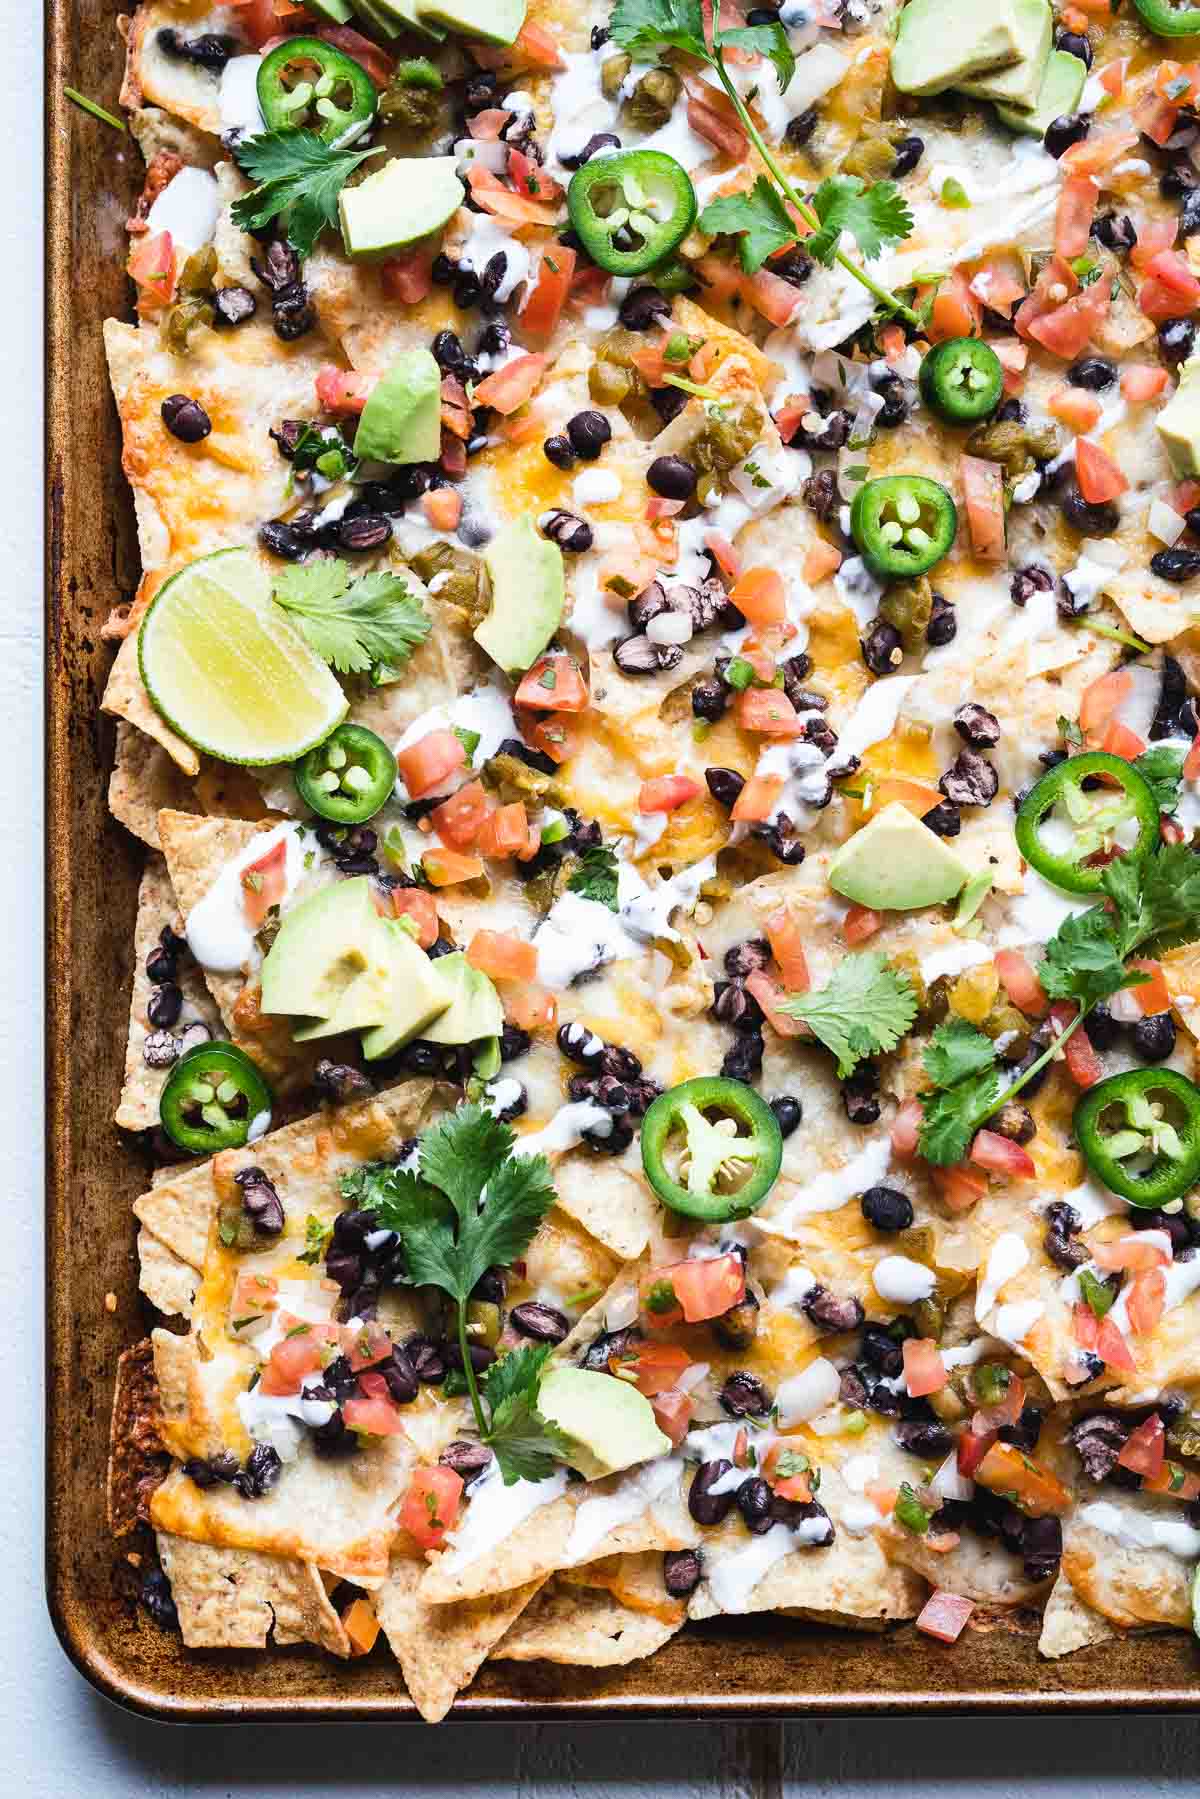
point(1168, 20)
point(306, 82)
point(711, 1149)
point(212, 1097)
point(902, 525)
point(1122, 814)
point(348, 777)
point(1140, 1134)
point(962, 380)
point(631, 210)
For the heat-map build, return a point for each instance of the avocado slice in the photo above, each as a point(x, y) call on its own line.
point(397, 16)
point(408, 198)
point(491, 21)
point(364, 1002)
point(896, 864)
point(1020, 85)
point(940, 43)
point(416, 997)
point(1062, 84)
point(1179, 423)
point(474, 1010)
point(610, 1424)
point(338, 12)
point(324, 946)
point(528, 595)
point(373, 15)
point(402, 419)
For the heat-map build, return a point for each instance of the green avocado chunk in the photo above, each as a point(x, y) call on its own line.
point(940, 43)
point(329, 958)
point(416, 996)
point(1062, 84)
point(407, 199)
point(896, 864)
point(610, 1424)
point(391, 17)
point(528, 595)
point(402, 419)
point(1020, 85)
point(474, 1010)
point(1179, 423)
point(338, 12)
point(492, 21)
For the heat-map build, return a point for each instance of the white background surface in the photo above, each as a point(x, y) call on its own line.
point(58, 1740)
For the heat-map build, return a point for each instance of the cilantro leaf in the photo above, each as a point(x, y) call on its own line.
point(1161, 767)
point(459, 1153)
point(525, 1444)
point(1170, 895)
point(421, 1215)
point(519, 1194)
point(516, 1373)
point(368, 627)
point(1083, 961)
point(770, 41)
point(863, 1011)
point(644, 27)
point(761, 219)
point(596, 876)
point(874, 216)
point(298, 178)
point(957, 1050)
point(953, 1115)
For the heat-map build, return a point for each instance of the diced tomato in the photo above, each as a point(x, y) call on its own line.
point(891, 342)
point(378, 64)
point(666, 793)
point(590, 285)
point(1112, 76)
point(955, 312)
point(1003, 1411)
point(1141, 383)
point(553, 684)
point(1099, 477)
point(1119, 740)
point(973, 1445)
point(425, 764)
point(1012, 356)
point(770, 997)
point(998, 284)
point(457, 820)
point(416, 904)
point(1145, 1449)
point(533, 49)
point(446, 868)
point(254, 1295)
point(1000, 1155)
point(408, 277)
point(773, 298)
point(1153, 995)
point(443, 508)
point(1102, 700)
point(1021, 983)
point(787, 946)
point(717, 124)
point(370, 1344)
point(531, 1009)
point(1097, 153)
point(1083, 1064)
point(1177, 81)
point(556, 734)
point(708, 1286)
point(983, 491)
point(485, 127)
point(512, 385)
point(456, 408)
point(944, 1616)
point(453, 458)
point(1172, 269)
point(1135, 1253)
point(924, 1369)
point(655, 1368)
point(1070, 329)
point(342, 390)
point(503, 956)
point(264, 883)
point(1146, 1301)
point(760, 596)
point(505, 832)
point(302, 1350)
point(1191, 762)
point(821, 560)
point(490, 193)
point(1076, 210)
point(673, 1415)
point(767, 711)
point(1008, 1470)
point(788, 1486)
point(859, 924)
point(543, 307)
point(431, 1504)
point(758, 798)
point(895, 790)
point(257, 20)
point(723, 554)
point(959, 1186)
point(906, 1129)
point(152, 265)
point(530, 178)
point(1074, 407)
point(1175, 1481)
point(1154, 117)
point(361, 1626)
point(1112, 1348)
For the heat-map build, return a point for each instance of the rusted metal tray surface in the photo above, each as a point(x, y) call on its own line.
point(769, 1666)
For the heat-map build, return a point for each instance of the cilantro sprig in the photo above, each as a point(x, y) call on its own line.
point(873, 215)
point(368, 627)
point(864, 1010)
point(298, 178)
point(961, 1062)
point(470, 1206)
point(596, 876)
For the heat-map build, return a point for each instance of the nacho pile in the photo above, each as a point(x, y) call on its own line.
point(662, 702)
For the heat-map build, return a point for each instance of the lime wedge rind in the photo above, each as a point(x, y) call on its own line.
point(228, 670)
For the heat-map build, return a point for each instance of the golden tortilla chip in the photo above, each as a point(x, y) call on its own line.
point(237, 1599)
point(976, 1567)
point(140, 1094)
point(1127, 1585)
point(584, 1627)
point(1068, 1624)
point(166, 1279)
point(441, 1648)
point(144, 781)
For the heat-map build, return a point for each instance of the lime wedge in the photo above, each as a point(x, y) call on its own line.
point(229, 671)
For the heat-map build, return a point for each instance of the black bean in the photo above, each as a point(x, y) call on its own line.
point(1026, 1431)
point(164, 1006)
point(284, 540)
point(558, 451)
point(709, 700)
point(1075, 43)
point(1011, 412)
point(468, 1460)
point(514, 1043)
point(754, 1503)
point(369, 532)
point(977, 726)
point(1027, 581)
point(748, 957)
point(898, 397)
point(796, 1512)
point(292, 312)
point(705, 1506)
point(428, 1362)
point(820, 493)
point(788, 1113)
point(259, 1473)
point(882, 647)
point(185, 418)
point(832, 1311)
point(481, 1356)
point(1116, 232)
point(926, 1437)
point(1154, 1037)
point(233, 306)
point(544, 1324)
point(744, 1396)
point(644, 307)
point(1177, 180)
point(1094, 373)
point(744, 1061)
point(970, 780)
point(738, 1327)
point(1189, 214)
point(1098, 1439)
point(1175, 1224)
point(516, 1107)
point(1090, 518)
point(733, 1005)
point(943, 820)
point(1176, 564)
point(782, 842)
point(160, 1049)
point(1172, 699)
point(467, 289)
point(212, 50)
point(609, 1346)
point(801, 128)
point(566, 530)
point(339, 1082)
point(588, 433)
point(444, 271)
point(860, 1096)
point(1069, 128)
point(887, 1209)
point(1176, 340)
point(260, 1201)
point(672, 477)
point(155, 1595)
point(668, 402)
point(682, 1569)
point(1041, 1547)
point(943, 623)
point(725, 784)
point(832, 434)
point(881, 1351)
point(493, 274)
point(908, 153)
point(1015, 1121)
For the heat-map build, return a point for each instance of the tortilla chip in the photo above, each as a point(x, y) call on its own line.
point(1127, 1586)
point(137, 1460)
point(155, 130)
point(166, 1279)
point(635, 1581)
point(585, 1628)
point(144, 781)
point(142, 1089)
point(1068, 1624)
point(977, 1568)
point(125, 697)
point(611, 1203)
point(440, 1648)
point(182, 87)
point(236, 1599)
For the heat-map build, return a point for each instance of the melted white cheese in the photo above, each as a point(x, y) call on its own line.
point(634, 1494)
point(831, 1190)
point(495, 1512)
